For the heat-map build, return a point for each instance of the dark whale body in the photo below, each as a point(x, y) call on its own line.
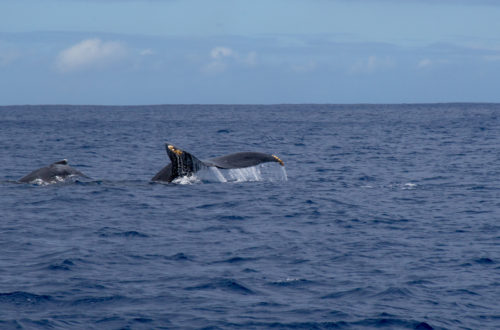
point(52, 173)
point(185, 164)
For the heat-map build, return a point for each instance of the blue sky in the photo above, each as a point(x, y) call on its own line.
point(234, 51)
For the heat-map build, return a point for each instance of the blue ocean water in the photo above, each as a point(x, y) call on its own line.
point(387, 217)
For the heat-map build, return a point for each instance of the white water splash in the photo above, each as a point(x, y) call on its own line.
point(283, 173)
point(60, 178)
point(263, 172)
point(218, 174)
point(41, 182)
point(191, 179)
point(408, 186)
point(245, 174)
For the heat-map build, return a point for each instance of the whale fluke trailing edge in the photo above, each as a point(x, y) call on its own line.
point(52, 173)
point(184, 164)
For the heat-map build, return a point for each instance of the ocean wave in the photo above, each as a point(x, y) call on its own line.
point(229, 285)
point(20, 298)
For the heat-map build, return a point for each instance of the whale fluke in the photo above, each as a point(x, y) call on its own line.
point(182, 164)
point(185, 164)
point(242, 159)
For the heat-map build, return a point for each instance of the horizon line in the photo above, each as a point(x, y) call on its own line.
point(243, 104)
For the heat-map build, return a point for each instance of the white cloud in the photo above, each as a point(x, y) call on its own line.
point(427, 63)
point(147, 52)
point(221, 52)
point(219, 59)
point(222, 57)
point(424, 63)
point(89, 53)
point(214, 67)
point(250, 59)
point(8, 56)
point(372, 64)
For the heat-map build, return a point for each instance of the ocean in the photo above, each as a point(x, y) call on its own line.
point(384, 216)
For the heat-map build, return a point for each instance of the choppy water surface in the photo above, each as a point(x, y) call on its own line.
point(386, 216)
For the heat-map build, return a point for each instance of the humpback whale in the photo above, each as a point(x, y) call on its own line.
point(185, 164)
point(52, 173)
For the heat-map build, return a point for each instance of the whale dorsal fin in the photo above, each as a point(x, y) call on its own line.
point(61, 162)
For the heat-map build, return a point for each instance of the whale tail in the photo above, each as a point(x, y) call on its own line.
point(183, 163)
point(242, 160)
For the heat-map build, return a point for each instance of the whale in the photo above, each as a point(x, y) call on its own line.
point(55, 172)
point(182, 163)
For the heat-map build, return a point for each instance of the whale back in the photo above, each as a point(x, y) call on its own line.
point(59, 169)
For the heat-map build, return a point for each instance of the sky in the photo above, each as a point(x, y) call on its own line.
point(134, 52)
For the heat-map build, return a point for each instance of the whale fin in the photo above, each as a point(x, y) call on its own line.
point(61, 162)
